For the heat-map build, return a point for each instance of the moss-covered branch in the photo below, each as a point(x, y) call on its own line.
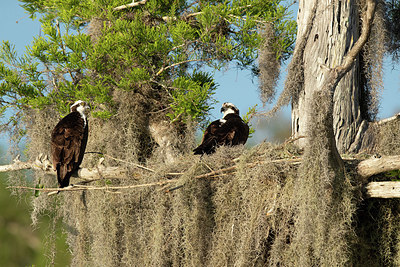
point(364, 169)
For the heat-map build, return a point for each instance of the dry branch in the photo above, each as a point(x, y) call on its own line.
point(91, 175)
point(124, 161)
point(86, 187)
point(336, 74)
point(356, 49)
point(372, 166)
point(42, 163)
point(182, 62)
point(383, 190)
point(133, 4)
point(365, 169)
point(18, 165)
point(393, 118)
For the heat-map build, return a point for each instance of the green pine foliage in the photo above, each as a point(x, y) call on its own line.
point(192, 96)
point(88, 50)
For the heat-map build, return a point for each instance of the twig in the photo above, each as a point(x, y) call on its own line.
point(293, 139)
point(173, 189)
point(133, 4)
point(249, 165)
point(121, 160)
point(216, 173)
point(131, 163)
point(180, 63)
point(86, 188)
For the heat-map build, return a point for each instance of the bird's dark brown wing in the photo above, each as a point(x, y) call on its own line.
point(208, 142)
point(233, 132)
point(67, 140)
point(211, 130)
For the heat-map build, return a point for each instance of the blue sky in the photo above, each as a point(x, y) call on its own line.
point(235, 86)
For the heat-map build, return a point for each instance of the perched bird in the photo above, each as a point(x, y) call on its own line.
point(68, 142)
point(231, 130)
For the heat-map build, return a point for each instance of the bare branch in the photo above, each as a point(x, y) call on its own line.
point(42, 163)
point(91, 175)
point(372, 166)
point(383, 189)
point(395, 117)
point(180, 63)
point(18, 165)
point(124, 161)
point(365, 32)
point(365, 169)
point(86, 187)
point(133, 4)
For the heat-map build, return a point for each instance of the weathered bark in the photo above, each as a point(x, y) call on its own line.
point(372, 166)
point(42, 163)
point(334, 30)
point(383, 190)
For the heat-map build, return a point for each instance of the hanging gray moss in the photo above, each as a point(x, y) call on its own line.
point(264, 210)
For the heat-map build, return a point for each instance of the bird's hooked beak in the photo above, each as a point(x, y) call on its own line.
point(224, 107)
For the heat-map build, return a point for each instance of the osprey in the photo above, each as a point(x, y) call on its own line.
point(68, 142)
point(231, 130)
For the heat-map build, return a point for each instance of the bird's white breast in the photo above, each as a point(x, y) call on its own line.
point(81, 111)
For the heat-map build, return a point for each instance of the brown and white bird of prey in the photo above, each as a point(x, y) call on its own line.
point(231, 130)
point(68, 142)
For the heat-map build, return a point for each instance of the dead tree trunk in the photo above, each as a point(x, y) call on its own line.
point(333, 31)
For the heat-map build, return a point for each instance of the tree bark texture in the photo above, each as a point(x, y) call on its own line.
point(372, 166)
point(383, 190)
point(334, 30)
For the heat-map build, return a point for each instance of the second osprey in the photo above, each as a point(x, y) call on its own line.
point(230, 130)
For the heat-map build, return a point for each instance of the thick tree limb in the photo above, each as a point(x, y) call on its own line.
point(336, 74)
point(19, 165)
point(373, 166)
point(365, 169)
point(365, 32)
point(42, 163)
point(383, 190)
